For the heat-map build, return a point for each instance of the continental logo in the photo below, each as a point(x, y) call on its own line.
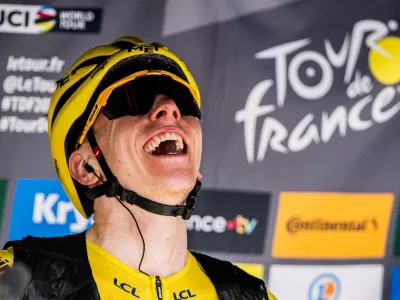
point(332, 225)
point(296, 225)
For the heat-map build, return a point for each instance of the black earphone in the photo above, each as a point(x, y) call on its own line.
point(90, 169)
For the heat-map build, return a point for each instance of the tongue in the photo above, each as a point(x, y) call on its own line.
point(167, 147)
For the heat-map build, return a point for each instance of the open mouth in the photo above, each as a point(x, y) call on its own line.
point(167, 143)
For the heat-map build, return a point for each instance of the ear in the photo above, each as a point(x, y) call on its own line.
point(77, 169)
point(199, 176)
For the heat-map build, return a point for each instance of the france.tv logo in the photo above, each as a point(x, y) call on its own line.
point(42, 208)
point(219, 224)
point(324, 287)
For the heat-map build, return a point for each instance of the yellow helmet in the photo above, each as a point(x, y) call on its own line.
point(85, 88)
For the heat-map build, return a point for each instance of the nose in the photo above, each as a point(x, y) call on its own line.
point(164, 107)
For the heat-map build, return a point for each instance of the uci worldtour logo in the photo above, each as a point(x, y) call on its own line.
point(26, 18)
point(303, 66)
point(45, 18)
point(36, 19)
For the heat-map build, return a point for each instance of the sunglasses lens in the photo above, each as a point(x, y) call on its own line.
point(137, 97)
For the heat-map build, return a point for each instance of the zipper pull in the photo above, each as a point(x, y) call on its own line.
point(158, 288)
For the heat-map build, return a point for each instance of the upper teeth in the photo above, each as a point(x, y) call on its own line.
point(169, 136)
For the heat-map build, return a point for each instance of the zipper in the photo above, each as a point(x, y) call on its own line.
point(158, 288)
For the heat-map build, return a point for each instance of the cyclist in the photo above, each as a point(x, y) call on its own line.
point(126, 144)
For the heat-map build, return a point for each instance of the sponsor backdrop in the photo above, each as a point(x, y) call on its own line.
point(3, 192)
point(301, 130)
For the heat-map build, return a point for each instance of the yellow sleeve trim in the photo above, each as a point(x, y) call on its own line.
point(256, 270)
point(270, 296)
point(6, 259)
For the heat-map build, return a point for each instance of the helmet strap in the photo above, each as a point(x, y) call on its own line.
point(112, 188)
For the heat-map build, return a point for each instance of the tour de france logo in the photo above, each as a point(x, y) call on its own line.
point(362, 90)
point(324, 287)
point(45, 18)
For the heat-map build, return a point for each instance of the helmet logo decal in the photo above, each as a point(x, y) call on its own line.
point(99, 68)
point(144, 48)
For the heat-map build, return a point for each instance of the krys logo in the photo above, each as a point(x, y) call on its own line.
point(311, 75)
point(42, 208)
point(240, 224)
point(324, 287)
point(51, 209)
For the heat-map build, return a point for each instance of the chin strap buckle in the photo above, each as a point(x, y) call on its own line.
point(187, 210)
point(111, 188)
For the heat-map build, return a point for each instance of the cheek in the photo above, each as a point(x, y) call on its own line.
point(129, 139)
point(121, 141)
point(199, 138)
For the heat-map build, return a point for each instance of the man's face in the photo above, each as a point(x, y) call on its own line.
point(156, 155)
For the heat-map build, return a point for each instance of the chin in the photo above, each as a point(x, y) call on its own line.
point(177, 183)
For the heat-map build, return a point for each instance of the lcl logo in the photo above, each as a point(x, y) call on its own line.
point(185, 294)
point(126, 288)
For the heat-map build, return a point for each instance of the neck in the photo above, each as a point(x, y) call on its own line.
point(116, 232)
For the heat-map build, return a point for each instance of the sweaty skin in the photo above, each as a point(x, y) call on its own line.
point(167, 179)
